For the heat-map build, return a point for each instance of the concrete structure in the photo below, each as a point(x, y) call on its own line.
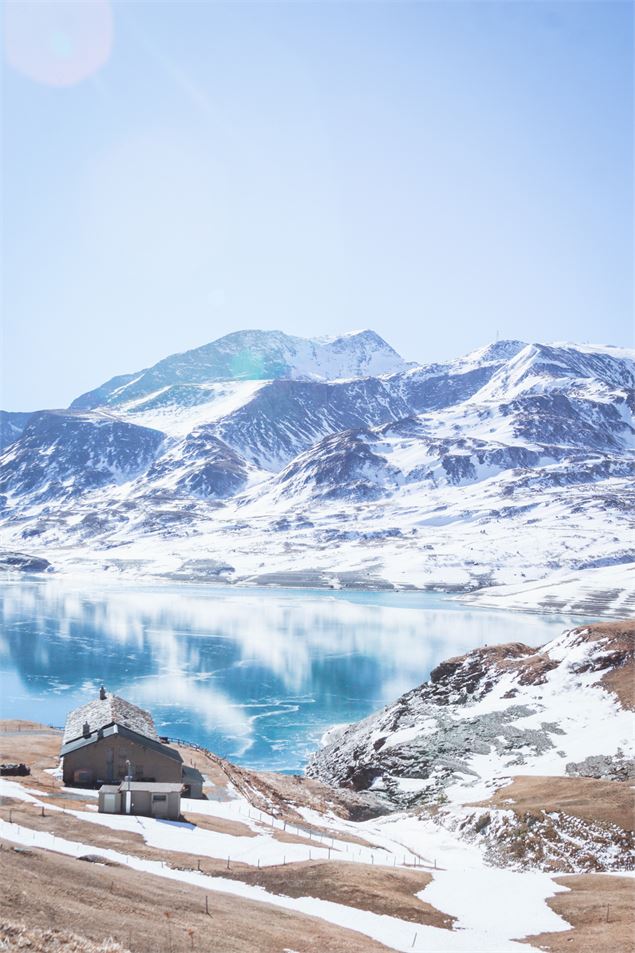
point(110, 739)
point(192, 782)
point(141, 797)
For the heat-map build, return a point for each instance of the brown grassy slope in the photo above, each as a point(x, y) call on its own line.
point(385, 891)
point(379, 889)
point(616, 655)
point(609, 802)
point(148, 914)
point(35, 745)
point(619, 652)
point(601, 910)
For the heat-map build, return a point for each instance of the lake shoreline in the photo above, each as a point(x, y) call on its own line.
point(504, 598)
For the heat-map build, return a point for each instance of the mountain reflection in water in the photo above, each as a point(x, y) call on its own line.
point(254, 674)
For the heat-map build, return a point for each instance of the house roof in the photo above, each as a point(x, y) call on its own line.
point(110, 730)
point(108, 711)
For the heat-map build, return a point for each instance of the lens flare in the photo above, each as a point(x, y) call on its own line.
point(58, 42)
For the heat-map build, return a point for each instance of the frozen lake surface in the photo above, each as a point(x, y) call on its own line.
point(256, 675)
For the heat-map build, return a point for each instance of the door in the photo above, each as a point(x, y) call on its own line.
point(159, 805)
point(110, 803)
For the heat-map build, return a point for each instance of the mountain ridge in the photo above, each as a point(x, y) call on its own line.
point(254, 355)
point(499, 469)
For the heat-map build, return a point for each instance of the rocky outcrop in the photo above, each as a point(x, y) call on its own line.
point(22, 562)
point(497, 711)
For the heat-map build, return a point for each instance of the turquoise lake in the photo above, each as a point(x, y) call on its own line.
point(256, 675)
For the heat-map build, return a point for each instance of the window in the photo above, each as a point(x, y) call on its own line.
point(159, 797)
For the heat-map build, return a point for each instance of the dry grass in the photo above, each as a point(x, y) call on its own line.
point(15, 937)
point(621, 681)
point(380, 889)
point(98, 836)
point(35, 745)
point(389, 892)
point(618, 651)
point(148, 914)
point(601, 911)
point(609, 802)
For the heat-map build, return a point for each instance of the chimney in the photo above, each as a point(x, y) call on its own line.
point(102, 693)
point(86, 730)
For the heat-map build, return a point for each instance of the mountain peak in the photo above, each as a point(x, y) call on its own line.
point(253, 355)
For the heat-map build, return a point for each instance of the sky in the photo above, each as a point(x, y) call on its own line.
point(442, 172)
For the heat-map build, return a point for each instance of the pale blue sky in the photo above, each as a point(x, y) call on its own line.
point(438, 171)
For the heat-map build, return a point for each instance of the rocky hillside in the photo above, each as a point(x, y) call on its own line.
point(369, 470)
point(529, 754)
point(561, 710)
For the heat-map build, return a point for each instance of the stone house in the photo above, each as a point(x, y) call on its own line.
point(110, 739)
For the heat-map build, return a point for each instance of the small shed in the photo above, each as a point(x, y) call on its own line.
point(145, 798)
point(109, 799)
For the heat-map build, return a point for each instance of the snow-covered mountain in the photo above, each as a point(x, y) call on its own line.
point(252, 356)
point(337, 463)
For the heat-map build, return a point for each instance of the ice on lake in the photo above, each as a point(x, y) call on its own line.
point(256, 675)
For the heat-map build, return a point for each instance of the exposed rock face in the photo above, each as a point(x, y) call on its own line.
point(615, 768)
point(286, 417)
point(62, 454)
point(11, 426)
point(21, 562)
point(199, 466)
point(496, 711)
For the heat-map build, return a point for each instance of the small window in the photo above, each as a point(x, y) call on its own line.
point(159, 797)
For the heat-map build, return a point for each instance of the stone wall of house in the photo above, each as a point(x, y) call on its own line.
point(106, 761)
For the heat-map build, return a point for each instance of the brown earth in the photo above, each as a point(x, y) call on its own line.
point(390, 892)
point(608, 802)
point(621, 681)
point(618, 655)
point(35, 745)
point(601, 910)
point(148, 914)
